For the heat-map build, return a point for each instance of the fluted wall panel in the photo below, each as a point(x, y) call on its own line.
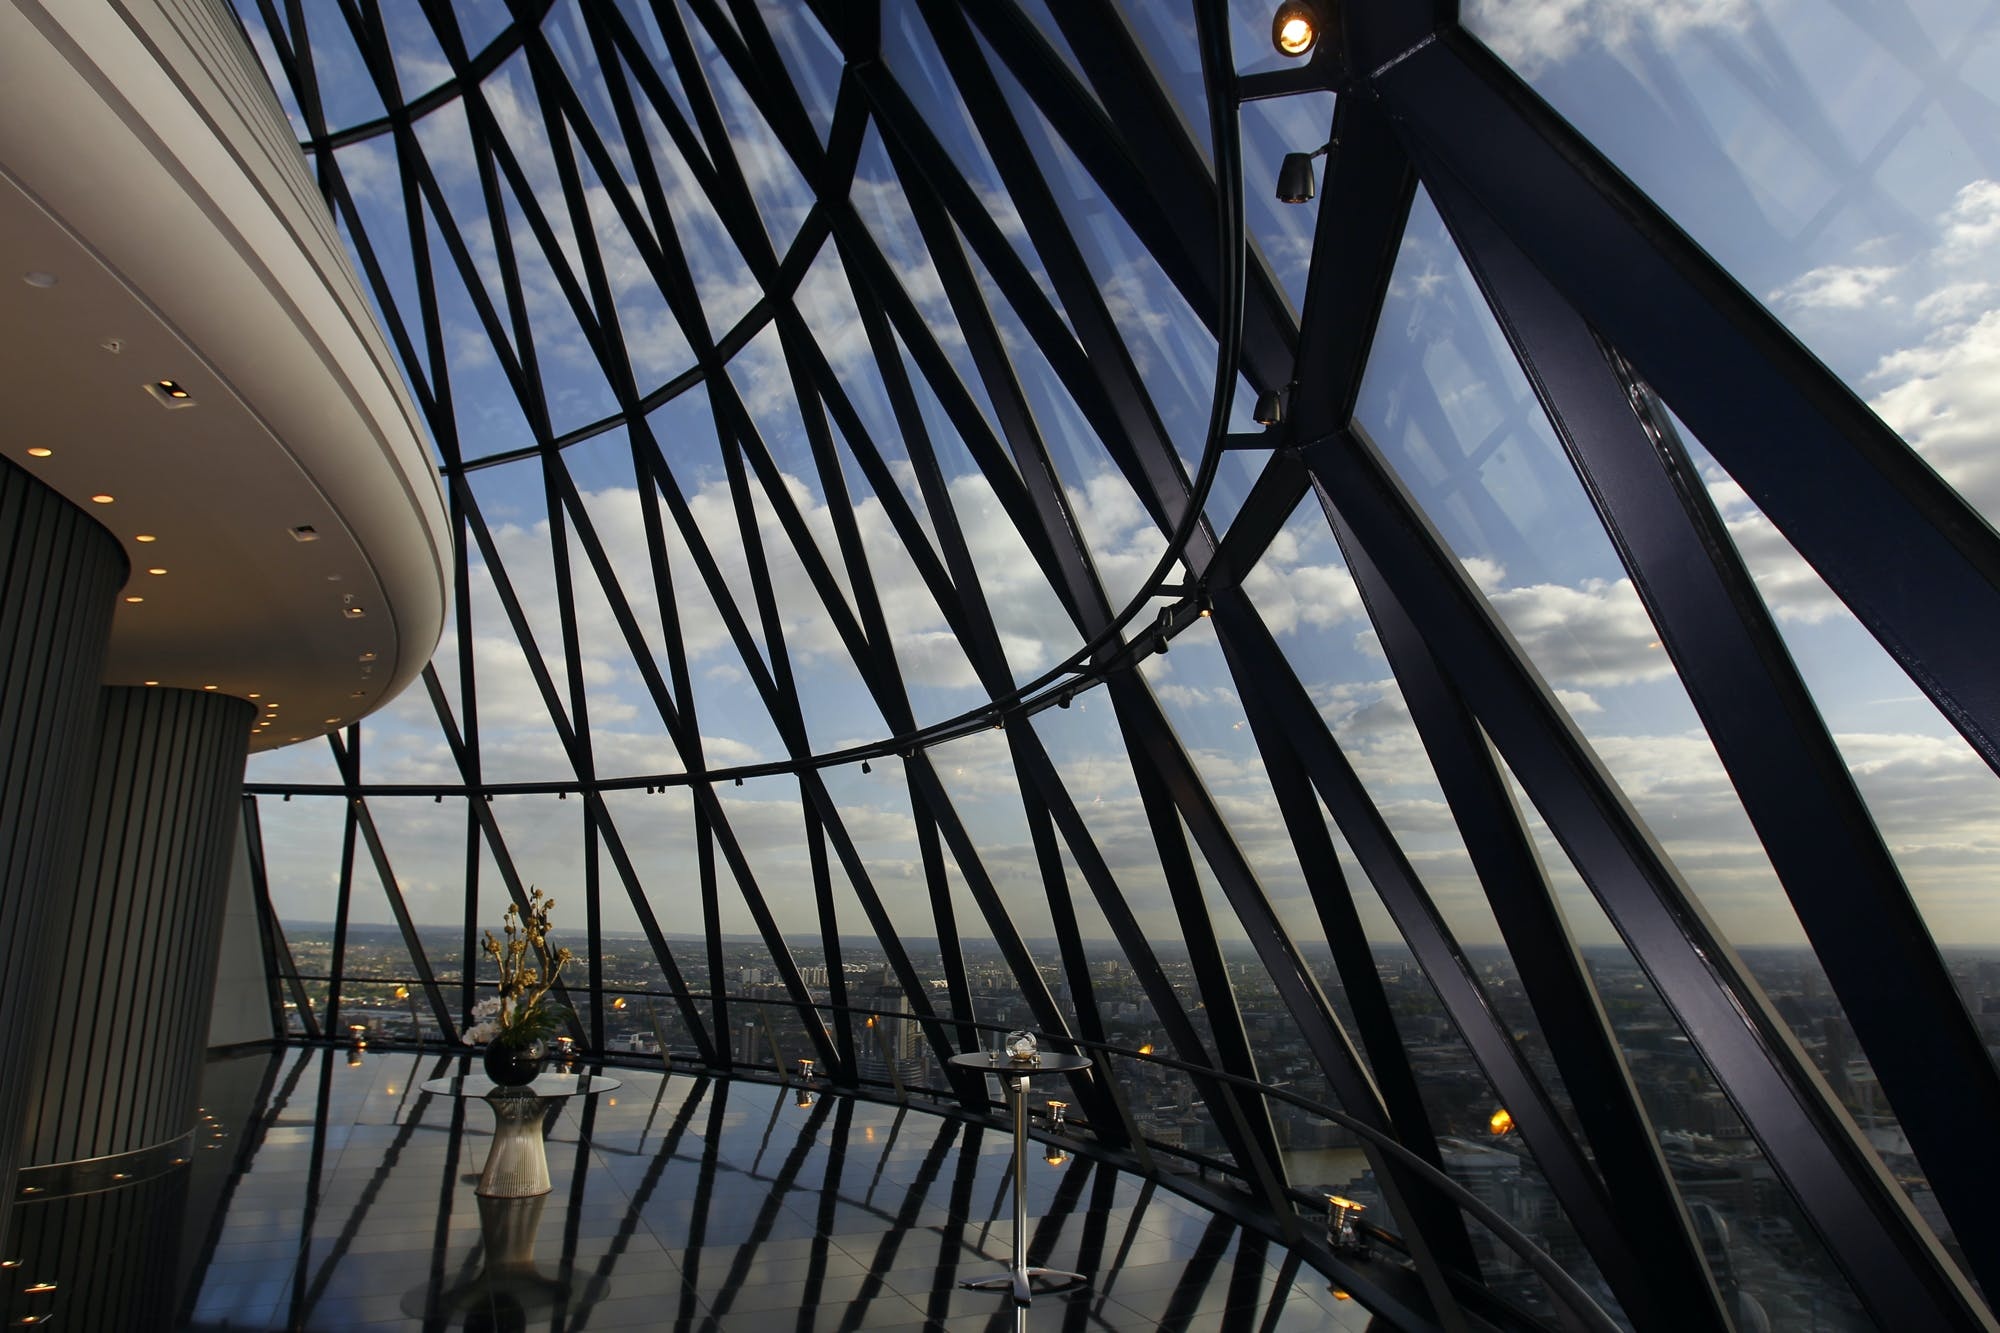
point(138, 938)
point(59, 578)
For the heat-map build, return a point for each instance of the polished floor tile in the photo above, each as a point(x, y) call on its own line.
point(339, 1195)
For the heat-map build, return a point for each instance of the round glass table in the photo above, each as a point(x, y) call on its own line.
point(517, 1163)
point(1014, 1076)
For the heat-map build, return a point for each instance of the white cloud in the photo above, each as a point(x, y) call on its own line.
point(1533, 34)
point(1972, 224)
point(1836, 287)
point(1593, 635)
point(1944, 398)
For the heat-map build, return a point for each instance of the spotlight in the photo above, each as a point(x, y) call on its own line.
point(1055, 1156)
point(1062, 700)
point(1203, 605)
point(1295, 27)
point(1295, 186)
point(1270, 409)
point(865, 768)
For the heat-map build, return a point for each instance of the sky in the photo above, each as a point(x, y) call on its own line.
point(1841, 162)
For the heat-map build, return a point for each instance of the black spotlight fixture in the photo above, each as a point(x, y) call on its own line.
point(1270, 409)
point(865, 768)
point(1295, 176)
point(1295, 27)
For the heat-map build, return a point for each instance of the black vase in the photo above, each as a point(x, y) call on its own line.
point(512, 1066)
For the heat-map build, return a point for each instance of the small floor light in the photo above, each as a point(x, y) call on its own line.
point(1343, 1225)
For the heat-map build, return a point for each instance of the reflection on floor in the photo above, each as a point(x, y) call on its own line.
point(336, 1194)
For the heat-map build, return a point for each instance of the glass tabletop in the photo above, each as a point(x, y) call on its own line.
point(547, 1085)
point(1049, 1062)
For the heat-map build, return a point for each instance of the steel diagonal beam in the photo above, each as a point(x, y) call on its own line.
point(1677, 1290)
point(277, 950)
point(1401, 1105)
point(847, 1070)
point(704, 792)
point(683, 691)
point(812, 786)
point(618, 372)
point(1138, 149)
point(635, 892)
point(868, 457)
point(1086, 370)
point(951, 952)
point(481, 813)
point(1571, 1175)
point(348, 760)
point(1036, 768)
point(538, 669)
point(1868, 1226)
point(1110, 392)
point(1119, 1131)
point(1436, 1241)
point(956, 587)
point(1916, 564)
point(1161, 785)
point(1053, 524)
point(343, 897)
point(655, 472)
point(866, 264)
point(1839, 874)
point(729, 194)
point(1034, 990)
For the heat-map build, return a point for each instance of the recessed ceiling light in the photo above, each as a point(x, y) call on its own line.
point(333, 722)
point(102, 499)
point(35, 277)
point(135, 599)
point(256, 696)
point(152, 682)
point(353, 612)
point(169, 394)
point(359, 694)
point(208, 687)
point(145, 537)
point(39, 452)
point(156, 570)
point(367, 657)
point(305, 532)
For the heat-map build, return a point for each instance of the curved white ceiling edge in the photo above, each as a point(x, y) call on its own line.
point(145, 166)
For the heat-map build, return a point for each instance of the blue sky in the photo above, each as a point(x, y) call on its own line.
point(1846, 175)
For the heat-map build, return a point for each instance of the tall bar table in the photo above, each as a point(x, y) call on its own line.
point(1014, 1076)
